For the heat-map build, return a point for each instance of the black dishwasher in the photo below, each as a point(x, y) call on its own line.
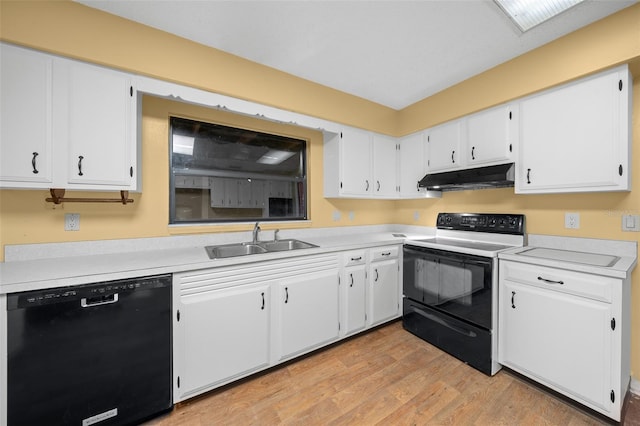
point(90, 354)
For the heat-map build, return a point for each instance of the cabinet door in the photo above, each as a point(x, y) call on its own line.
point(412, 165)
point(218, 192)
point(384, 167)
point(355, 288)
point(257, 193)
point(25, 118)
point(560, 339)
point(280, 189)
point(308, 312)
point(491, 135)
point(98, 125)
point(244, 193)
point(443, 144)
point(355, 162)
point(576, 138)
point(384, 291)
point(225, 334)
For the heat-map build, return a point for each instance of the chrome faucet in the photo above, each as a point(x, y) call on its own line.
point(275, 234)
point(256, 229)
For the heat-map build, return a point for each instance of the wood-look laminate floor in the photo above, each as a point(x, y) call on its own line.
point(384, 377)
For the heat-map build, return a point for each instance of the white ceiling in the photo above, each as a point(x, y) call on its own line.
point(394, 53)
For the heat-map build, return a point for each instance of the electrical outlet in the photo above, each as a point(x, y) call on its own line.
point(72, 221)
point(352, 216)
point(336, 215)
point(572, 220)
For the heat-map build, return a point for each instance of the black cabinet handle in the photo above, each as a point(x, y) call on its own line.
point(378, 182)
point(262, 301)
point(367, 188)
point(80, 158)
point(33, 163)
point(513, 295)
point(286, 292)
point(473, 156)
point(452, 154)
point(550, 281)
point(351, 285)
point(356, 258)
point(386, 254)
point(528, 175)
point(376, 280)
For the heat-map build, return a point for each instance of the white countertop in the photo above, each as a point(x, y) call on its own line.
point(66, 270)
point(578, 254)
point(39, 266)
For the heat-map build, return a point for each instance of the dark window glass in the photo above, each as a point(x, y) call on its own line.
point(227, 174)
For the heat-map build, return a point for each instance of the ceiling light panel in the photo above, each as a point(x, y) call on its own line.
point(526, 14)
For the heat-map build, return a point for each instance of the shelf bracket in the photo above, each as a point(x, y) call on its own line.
point(57, 197)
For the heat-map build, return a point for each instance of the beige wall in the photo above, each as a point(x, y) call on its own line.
point(74, 30)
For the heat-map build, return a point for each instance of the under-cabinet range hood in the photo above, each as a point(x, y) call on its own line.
point(502, 175)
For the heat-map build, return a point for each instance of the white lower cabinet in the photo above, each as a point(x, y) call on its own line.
point(232, 321)
point(384, 285)
point(308, 312)
point(225, 335)
point(566, 330)
point(354, 282)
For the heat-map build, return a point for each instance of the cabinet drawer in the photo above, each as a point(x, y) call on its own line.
point(578, 283)
point(356, 257)
point(381, 253)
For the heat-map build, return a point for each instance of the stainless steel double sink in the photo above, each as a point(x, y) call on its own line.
point(244, 249)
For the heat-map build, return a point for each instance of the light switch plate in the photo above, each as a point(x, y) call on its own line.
point(631, 222)
point(572, 220)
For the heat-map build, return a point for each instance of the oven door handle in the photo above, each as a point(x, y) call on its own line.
point(477, 262)
point(440, 321)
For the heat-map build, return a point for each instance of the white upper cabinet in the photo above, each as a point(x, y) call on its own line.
point(25, 119)
point(576, 138)
point(412, 165)
point(66, 124)
point(355, 162)
point(481, 139)
point(444, 147)
point(491, 136)
point(360, 164)
point(94, 107)
point(384, 166)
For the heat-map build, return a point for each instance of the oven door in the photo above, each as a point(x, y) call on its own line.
point(455, 283)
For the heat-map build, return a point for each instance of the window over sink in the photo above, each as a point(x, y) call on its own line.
point(221, 173)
